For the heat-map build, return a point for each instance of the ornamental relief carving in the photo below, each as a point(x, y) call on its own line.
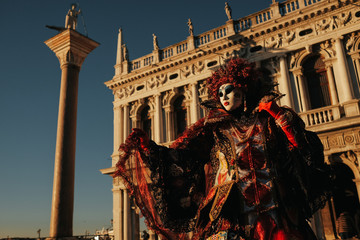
point(350, 42)
point(120, 93)
point(187, 92)
point(167, 97)
point(333, 22)
point(203, 90)
point(129, 90)
point(156, 81)
point(274, 42)
point(289, 36)
point(198, 67)
point(345, 139)
point(328, 48)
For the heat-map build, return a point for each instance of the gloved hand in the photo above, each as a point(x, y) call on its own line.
point(272, 108)
point(139, 138)
point(278, 114)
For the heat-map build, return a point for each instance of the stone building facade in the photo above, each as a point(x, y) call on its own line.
point(311, 48)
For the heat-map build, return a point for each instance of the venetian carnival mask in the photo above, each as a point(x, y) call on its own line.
point(231, 97)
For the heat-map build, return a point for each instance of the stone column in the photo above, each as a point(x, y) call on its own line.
point(118, 210)
point(284, 83)
point(194, 103)
point(169, 123)
point(71, 48)
point(127, 216)
point(344, 86)
point(118, 131)
point(126, 129)
point(332, 87)
point(158, 119)
point(304, 96)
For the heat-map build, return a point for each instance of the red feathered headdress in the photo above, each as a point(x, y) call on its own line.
point(237, 71)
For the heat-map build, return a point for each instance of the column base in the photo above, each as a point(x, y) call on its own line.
point(352, 108)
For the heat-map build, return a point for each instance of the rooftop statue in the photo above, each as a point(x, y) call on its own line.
point(191, 28)
point(71, 17)
point(155, 42)
point(228, 11)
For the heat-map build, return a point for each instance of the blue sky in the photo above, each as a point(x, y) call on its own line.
point(29, 95)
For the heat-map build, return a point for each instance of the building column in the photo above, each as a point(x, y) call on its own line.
point(71, 48)
point(304, 96)
point(127, 216)
point(344, 87)
point(126, 129)
point(284, 83)
point(169, 123)
point(118, 211)
point(332, 86)
point(158, 119)
point(194, 103)
point(118, 132)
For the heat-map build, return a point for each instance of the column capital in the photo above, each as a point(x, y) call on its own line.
point(71, 47)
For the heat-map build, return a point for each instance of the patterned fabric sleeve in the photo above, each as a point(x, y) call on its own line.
point(166, 183)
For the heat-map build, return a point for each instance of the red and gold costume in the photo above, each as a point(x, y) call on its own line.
point(238, 175)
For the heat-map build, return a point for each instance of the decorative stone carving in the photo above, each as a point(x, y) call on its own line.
point(187, 93)
point(203, 90)
point(186, 71)
point(289, 36)
point(273, 42)
point(151, 103)
point(198, 67)
point(71, 57)
point(351, 41)
point(120, 93)
point(343, 19)
point(328, 48)
point(129, 90)
point(134, 107)
point(294, 58)
point(168, 96)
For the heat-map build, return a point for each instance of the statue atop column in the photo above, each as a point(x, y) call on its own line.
point(155, 42)
point(228, 11)
point(71, 17)
point(191, 28)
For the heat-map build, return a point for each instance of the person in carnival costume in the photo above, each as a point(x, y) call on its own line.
point(242, 172)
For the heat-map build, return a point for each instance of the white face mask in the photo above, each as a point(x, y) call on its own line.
point(230, 97)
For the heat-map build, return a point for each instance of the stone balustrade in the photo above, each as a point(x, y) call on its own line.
point(239, 25)
point(321, 115)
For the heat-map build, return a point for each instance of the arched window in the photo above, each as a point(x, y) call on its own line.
point(317, 82)
point(145, 120)
point(180, 121)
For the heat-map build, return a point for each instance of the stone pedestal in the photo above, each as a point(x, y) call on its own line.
point(71, 48)
point(351, 108)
